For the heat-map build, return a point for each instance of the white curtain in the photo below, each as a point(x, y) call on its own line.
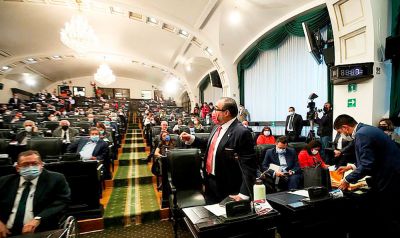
point(212, 94)
point(284, 77)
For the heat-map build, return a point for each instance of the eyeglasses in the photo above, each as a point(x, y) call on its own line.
point(219, 110)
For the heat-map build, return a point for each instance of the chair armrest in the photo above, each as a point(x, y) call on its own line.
point(171, 185)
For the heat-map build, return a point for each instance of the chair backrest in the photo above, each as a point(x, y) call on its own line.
point(46, 146)
point(155, 130)
point(298, 146)
point(207, 129)
point(261, 150)
point(31, 116)
point(5, 133)
point(51, 125)
point(4, 143)
point(83, 124)
point(184, 168)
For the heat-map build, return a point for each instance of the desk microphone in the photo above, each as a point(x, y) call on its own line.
point(236, 156)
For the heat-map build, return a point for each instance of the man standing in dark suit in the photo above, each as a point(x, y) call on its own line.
point(32, 200)
point(288, 176)
point(14, 101)
point(293, 125)
point(223, 176)
point(325, 129)
point(377, 156)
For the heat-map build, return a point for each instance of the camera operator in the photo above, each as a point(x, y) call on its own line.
point(325, 128)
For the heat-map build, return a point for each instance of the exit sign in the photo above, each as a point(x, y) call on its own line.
point(351, 102)
point(352, 87)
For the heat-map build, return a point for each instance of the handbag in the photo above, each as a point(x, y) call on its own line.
point(156, 167)
point(316, 176)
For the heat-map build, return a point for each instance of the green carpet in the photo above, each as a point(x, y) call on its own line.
point(133, 200)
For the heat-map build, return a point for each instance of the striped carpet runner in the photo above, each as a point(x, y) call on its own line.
point(133, 199)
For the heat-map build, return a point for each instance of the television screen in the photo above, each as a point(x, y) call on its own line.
point(215, 79)
point(312, 43)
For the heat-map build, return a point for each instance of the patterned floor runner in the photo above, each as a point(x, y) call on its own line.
point(133, 199)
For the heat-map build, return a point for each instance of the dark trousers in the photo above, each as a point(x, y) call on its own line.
point(292, 136)
point(212, 194)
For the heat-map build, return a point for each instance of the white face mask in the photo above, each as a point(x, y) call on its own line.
point(28, 128)
point(314, 151)
point(345, 137)
point(267, 133)
point(291, 113)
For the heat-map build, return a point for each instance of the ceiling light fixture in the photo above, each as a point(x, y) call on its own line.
point(78, 35)
point(104, 75)
point(183, 33)
point(152, 20)
point(208, 51)
point(4, 68)
point(235, 17)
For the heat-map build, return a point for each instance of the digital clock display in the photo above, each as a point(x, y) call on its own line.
point(351, 72)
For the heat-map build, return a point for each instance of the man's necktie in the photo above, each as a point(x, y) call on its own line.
point(291, 122)
point(20, 215)
point(65, 135)
point(211, 149)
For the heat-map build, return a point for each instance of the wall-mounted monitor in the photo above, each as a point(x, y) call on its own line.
point(215, 79)
point(313, 41)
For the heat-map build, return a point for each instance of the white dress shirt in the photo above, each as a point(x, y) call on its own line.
point(87, 150)
point(29, 202)
point(65, 133)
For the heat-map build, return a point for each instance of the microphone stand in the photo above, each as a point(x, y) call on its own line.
point(236, 157)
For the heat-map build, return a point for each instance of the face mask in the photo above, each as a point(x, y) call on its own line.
point(94, 138)
point(31, 172)
point(28, 128)
point(345, 137)
point(167, 138)
point(64, 113)
point(280, 151)
point(53, 118)
point(291, 113)
point(107, 123)
point(192, 119)
point(214, 118)
point(101, 132)
point(64, 128)
point(267, 133)
point(383, 128)
point(90, 119)
point(314, 151)
point(22, 108)
point(81, 113)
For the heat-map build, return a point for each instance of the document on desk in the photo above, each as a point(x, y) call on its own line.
point(216, 209)
point(302, 192)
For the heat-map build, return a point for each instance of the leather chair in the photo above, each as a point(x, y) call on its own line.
point(260, 152)
point(5, 133)
point(51, 125)
point(298, 146)
point(46, 146)
point(4, 143)
point(185, 181)
point(85, 127)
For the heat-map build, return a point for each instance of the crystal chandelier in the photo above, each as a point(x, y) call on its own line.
point(104, 75)
point(78, 35)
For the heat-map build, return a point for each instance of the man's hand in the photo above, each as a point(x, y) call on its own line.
point(344, 185)
point(279, 174)
point(337, 153)
point(30, 226)
point(93, 158)
point(185, 136)
point(236, 197)
point(291, 172)
point(3, 230)
point(343, 169)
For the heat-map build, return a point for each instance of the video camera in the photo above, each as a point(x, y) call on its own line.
point(311, 106)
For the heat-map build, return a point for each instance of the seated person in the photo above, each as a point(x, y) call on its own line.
point(65, 132)
point(344, 151)
point(17, 117)
point(246, 124)
point(91, 119)
point(386, 125)
point(51, 117)
point(198, 127)
point(30, 131)
point(176, 127)
point(165, 144)
point(46, 193)
point(288, 176)
point(310, 157)
point(92, 148)
point(266, 136)
point(103, 132)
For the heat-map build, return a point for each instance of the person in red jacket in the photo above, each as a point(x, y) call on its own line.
point(310, 157)
point(266, 137)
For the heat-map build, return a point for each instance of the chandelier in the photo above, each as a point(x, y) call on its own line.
point(78, 35)
point(104, 75)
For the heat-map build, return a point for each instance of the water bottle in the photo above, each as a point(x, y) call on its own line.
point(259, 190)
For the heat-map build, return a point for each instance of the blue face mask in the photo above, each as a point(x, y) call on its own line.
point(167, 138)
point(30, 172)
point(94, 138)
point(107, 123)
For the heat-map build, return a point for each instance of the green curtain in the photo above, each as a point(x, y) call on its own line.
point(315, 19)
point(395, 85)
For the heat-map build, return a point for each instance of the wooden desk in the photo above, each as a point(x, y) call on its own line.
point(213, 226)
